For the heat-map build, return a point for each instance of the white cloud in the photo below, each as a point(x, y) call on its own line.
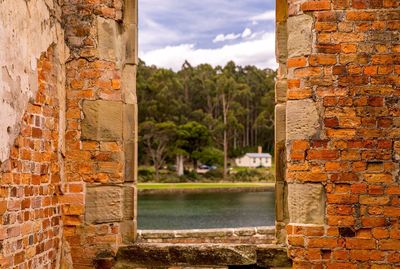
point(259, 52)
point(222, 37)
point(266, 16)
point(246, 33)
point(229, 37)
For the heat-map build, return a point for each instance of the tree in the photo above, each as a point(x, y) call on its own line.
point(158, 139)
point(235, 104)
point(226, 86)
point(192, 138)
point(211, 156)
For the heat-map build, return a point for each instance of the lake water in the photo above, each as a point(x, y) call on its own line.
point(205, 210)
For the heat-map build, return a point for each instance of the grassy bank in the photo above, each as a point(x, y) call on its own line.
point(217, 185)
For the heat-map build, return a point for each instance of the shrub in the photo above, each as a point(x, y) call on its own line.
point(145, 175)
point(215, 174)
point(247, 175)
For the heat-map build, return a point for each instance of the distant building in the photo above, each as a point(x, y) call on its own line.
point(253, 160)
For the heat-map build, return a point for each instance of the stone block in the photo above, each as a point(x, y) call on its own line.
point(281, 10)
point(281, 88)
point(129, 84)
point(306, 203)
point(130, 162)
point(131, 41)
point(282, 71)
point(102, 120)
point(129, 231)
point(281, 43)
point(129, 203)
point(103, 204)
point(109, 40)
point(302, 120)
point(129, 122)
point(280, 123)
point(281, 214)
point(299, 35)
point(130, 11)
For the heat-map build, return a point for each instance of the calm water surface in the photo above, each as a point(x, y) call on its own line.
point(206, 210)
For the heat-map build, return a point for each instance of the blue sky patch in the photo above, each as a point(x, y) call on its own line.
point(211, 31)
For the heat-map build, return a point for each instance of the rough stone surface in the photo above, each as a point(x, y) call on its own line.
point(302, 119)
point(208, 255)
point(280, 123)
point(281, 43)
point(248, 235)
point(281, 88)
point(306, 203)
point(299, 35)
point(21, 20)
point(102, 120)
point(103, 204)
point(130, 200)
point(109, 40)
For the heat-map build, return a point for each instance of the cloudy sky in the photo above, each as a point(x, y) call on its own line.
point(207, 31)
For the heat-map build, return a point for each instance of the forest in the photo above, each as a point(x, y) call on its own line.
point(203, 114)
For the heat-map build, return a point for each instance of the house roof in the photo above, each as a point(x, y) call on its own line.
point(258, 155)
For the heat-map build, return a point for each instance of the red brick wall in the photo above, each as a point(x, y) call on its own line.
point(352, 74)
point(30, 215)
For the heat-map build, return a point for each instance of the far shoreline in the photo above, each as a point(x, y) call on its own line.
point(182, 188)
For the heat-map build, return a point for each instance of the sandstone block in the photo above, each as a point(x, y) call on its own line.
point(281, 49)
point(306, 203)
point(130, 162)
point(129, 202)
point(109, 40)
point(302, 120)
point(299, 35)
point(102, 120)
point(129, 84)
point(280, 123)
point(103, 204)
point(281, 87)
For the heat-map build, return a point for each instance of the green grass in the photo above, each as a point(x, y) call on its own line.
point(143, 186)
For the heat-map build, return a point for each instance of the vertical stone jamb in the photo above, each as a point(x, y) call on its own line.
point(280, 122)
point(99, 204)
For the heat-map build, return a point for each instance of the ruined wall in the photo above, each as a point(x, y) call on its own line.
point(31, 134)
point(342, 133)
point(100, 198)
point(28, 28)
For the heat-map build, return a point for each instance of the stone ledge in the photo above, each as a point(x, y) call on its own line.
point(164, 255)
point(247, 235)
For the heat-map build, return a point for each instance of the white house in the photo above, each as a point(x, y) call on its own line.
point(254, 160)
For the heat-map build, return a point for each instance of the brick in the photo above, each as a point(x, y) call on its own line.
point(296, 240)
point(322, 155)
point(342, 198)
point(361, 16)
point(297, 62)
point(366, 255)
point(316, 5)
point(373, 222)
point(322, 242)
point(374, 200)
point(356, 243)
point(389, 244)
